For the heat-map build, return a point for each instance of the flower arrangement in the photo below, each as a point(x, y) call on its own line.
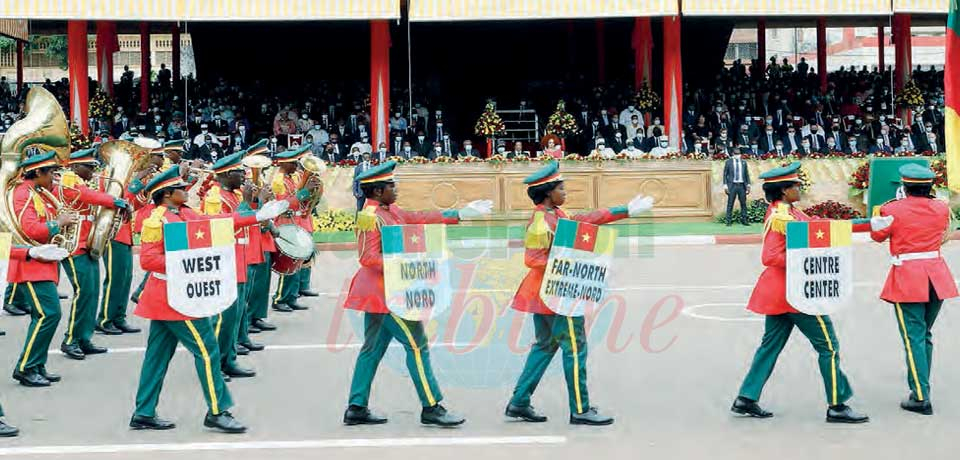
point(927, 153)
point(471, 159)
point(756, 211)
point(805, 181)
point(939, 168)
point(860, 179)
point(832, 210)
point(398, 159)
point(855, 155)
point(520, 159)
point(101, 106)
point(77, 140)
point(490, 124)
point(910, 95)
point(443, 159)
point(647, 99)
point(575, 157)
point(334, 220)
point(419, 160)
point(720, 156)
point(562, 123)
point(347, 163)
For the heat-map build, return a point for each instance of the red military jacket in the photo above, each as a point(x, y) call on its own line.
point(285, 188)
point(769, 296)
point(919, 225)
point(537, 242)
point(366, 289)
point(220, 202)
point(82, 198)
point(153, 301)
point(37, 217)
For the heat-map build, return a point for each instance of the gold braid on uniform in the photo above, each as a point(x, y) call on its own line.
point(538, 234)
point(212, 202)
point(778, 220)
point(367, 220)
point(153, 226)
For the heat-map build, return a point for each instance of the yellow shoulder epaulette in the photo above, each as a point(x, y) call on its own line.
point(778, 220)
point(153, 226)
point(70, 179)
point(876, 208)
point(211, 202)
point(278, 186)
point(166, 164)
point(538, 233)
point(367, 219)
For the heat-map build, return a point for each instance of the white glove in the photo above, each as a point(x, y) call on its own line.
point(476, 209)
point(880, 223)
point(639, 205)
point(272, 210)
point(48, 253)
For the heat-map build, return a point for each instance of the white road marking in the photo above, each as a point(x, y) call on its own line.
point(295, 347)
point(281, 445)
point(691, 312)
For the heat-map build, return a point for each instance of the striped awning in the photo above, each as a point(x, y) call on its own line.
point(920, 6)
point(785, 7)
point(477, 10)
point(201, 10)
point(14, 28)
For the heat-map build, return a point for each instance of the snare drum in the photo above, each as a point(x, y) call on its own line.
point(294, 247)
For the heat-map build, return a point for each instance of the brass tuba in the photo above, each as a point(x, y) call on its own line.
point(43, 126)
point(121, 160)
point(312, 166)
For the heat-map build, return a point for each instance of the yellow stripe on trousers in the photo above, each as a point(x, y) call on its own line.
point(106, 293)
point(13, 293)
point(576, 365)
point(33, 336)
point(209, 370)
point(76, 297)
point(279, 290)
point(216, 330)
point(833, 360)
point(418, 359)
point(913, 365)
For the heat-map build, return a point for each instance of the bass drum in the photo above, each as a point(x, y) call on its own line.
point(294, 247)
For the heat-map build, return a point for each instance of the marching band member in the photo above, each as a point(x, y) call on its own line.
point(118, 261)
point(285, 183)
point(546, 188)
point(37, 215)
point(144, 207)
point(769, 298)
point(221, 201)
point(169, 327)
point(258, 275)
point(919, 278)
point(83, 271)
point(48, 253)
point(367, 294)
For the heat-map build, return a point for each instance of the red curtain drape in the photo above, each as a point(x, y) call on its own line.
point(380, 81)
point(107, 44)
point(643, 51)
point(77, 70)
point(672, 80)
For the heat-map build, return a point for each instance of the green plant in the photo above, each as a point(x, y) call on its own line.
point(756, 211)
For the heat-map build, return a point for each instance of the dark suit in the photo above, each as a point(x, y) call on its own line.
point(120, 128)
point(612, 130)
point(423, 149)
point(817, 143)
point(736, 180)
point(768, 142)
point(874, 149)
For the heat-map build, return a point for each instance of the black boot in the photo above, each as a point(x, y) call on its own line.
point(438, 415)
point(921, 407)
point(238, 372)
point(224, 422)
point(282, 307)
point(14, 310)
point(309, 293)
point(744, 406)
point(242, 351)
point(253, 329)
point(843, 413)
point(8, 431)
point(126, 328)
point(30, 378)
point(72, 351)
point(89, 348)
point(139, 422)
point(263, 325)
point(108, 329)
point(590, 417)
point(295, 306)
point(527, 414)
point(356, 415)
point(53, 378)
point(252, 346)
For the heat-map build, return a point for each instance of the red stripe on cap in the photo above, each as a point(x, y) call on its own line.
point(546, 180)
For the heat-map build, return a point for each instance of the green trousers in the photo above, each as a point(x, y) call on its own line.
point(819, 331)
point(379, 329)
point(118, 263)
point(304, 280)
point(198, 338)
point(139, 290)
point(45, 316)
point(259, 294)
point(915, 321)
point(227, 327)
point(83, 272)
point(14, 295)
point(553, 332)
point(289, 286)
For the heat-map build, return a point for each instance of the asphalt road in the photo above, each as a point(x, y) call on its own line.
point(666, 358)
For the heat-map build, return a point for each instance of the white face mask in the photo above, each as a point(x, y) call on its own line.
point(437, 149)
point(630, 147)
point(468, 148)
point(806, 146)
point(383, 149)
point(397, 115)
point(501, 149)
point(420, 138)
point(406, 148)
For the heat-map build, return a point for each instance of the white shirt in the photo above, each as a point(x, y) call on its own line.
point(625, 117)
point(737, 171)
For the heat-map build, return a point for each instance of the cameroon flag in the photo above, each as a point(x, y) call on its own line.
point(951, 83)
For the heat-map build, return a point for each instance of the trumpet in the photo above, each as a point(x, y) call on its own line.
point(256, 163)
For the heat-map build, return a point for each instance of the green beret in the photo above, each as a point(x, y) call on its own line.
point(544, 175)
point(913, 173)
point(40, 160)
point(167, 179)
point(789, 173)
point(382, 172)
